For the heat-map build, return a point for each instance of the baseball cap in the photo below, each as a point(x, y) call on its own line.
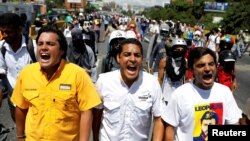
point(130, 34)
point(197, 32)
point(76, 34)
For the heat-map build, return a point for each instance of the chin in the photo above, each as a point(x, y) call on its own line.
point(44, 66)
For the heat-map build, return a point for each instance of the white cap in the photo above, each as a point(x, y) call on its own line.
point(80, 14)
point(117, 34)
point(130, 34)
point(197, 32)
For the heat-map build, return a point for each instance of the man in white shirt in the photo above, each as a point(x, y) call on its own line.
point(198, 100)
point(130, 98)
point(16, 54)
point(214, 40)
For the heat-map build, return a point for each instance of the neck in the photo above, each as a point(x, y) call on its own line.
point(50, 71)
point(16, 44)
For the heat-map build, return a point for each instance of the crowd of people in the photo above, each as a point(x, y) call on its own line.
point(54, 92)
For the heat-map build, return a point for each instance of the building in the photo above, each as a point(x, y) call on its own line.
point(75, 5)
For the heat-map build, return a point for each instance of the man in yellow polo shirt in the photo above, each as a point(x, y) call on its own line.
point(53, 98)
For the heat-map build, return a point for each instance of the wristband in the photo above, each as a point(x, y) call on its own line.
point(21, 137)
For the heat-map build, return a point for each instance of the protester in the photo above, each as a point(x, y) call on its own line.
point(191, 100)
point(226, 72)
point(80, 53)
point(54, 98)
point(130, 98)
point(14, 52)
point(173, 68)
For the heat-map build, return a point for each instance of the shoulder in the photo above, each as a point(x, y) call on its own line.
point(109, 75)
point(182, 90)
point(221, 87)
point(89, 50)
point(149, 78)
point(30, 68)
point(1, 43)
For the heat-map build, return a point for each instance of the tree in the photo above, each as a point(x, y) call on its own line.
point(90, 8)
point(237, 17)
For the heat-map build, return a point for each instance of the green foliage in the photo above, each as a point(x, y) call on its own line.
point(236, 18)
point(90, 8)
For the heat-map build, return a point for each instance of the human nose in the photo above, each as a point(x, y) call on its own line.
point(207, 67)
point(43, 46)
point(132, 58)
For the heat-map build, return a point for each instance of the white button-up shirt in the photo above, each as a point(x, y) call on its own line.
point(127, 113)
point(13, 62)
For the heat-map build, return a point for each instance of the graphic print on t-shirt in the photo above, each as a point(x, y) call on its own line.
point(206, 114)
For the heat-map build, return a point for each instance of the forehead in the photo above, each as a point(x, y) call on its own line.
point(131, 48)
point(204, 59)
point(8, 28)
point(48, 36)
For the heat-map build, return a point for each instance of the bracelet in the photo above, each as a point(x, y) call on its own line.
point(21, 137)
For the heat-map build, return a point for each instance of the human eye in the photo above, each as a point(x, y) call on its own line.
point(211, 64)
point(126, 54)
point(51, 43)
point(200, 65)
point(138, 55)
point(39, 43)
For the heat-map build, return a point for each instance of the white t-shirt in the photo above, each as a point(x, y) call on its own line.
point(189, 103)
point(213, 40)
point(127, 112)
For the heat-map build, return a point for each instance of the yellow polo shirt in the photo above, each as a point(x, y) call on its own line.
point(54, 105)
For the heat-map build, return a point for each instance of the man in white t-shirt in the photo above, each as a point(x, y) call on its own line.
point(214, 40)
point(190, 103)
point(130, 98)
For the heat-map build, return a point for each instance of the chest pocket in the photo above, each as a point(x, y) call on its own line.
point(142, 113)
point(34, 100)
point(65, 101)
point(112, 112)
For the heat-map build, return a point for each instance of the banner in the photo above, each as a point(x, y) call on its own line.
point(74, 1)
point(216, 6)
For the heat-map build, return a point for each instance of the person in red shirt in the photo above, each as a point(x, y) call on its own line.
point(226, 69)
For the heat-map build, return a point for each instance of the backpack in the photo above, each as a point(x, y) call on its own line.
point(30, 48)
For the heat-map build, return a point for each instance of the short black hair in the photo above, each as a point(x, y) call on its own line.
point(130, 41)
point(61, 38)
point(197, 53)
point(208, 115)
point(10, 19)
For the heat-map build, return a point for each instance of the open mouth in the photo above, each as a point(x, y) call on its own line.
point(132, 68)
point(45, 56)
point(208, 78)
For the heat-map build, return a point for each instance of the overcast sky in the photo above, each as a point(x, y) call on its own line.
point(141, 2)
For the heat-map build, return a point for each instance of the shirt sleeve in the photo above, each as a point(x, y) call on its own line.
point(157, 103)
point(99, 86)
point(87, 93)
point(17, 97)
point(233, 112)
point(170, 113)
